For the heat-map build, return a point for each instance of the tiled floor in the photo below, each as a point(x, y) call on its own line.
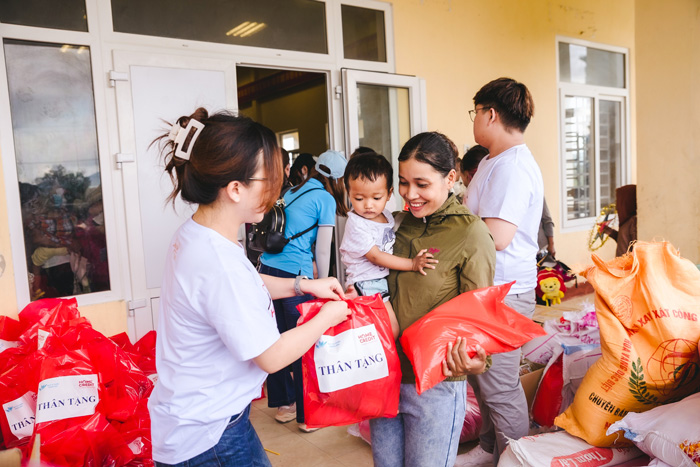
point(331, 446)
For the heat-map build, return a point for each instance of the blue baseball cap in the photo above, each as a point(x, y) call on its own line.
point(331, 164)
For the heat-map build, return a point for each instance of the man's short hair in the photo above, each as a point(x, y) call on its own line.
point(511, 99)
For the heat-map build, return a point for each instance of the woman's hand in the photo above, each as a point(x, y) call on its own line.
point(423, 260)
point(323, 288)
point(334, 312)
point(458, 362)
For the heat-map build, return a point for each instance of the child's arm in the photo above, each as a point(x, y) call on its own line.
point(422, 260)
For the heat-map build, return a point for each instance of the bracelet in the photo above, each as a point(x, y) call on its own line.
point(297, 285)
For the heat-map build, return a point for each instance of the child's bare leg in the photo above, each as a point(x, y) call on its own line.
point(392, 318)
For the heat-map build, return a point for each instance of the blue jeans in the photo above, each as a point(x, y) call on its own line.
point(426, 431)
point(282, 389)
point(239, 446)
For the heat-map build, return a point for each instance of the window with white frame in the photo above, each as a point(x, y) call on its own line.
point(289, 140)
point(594, 95)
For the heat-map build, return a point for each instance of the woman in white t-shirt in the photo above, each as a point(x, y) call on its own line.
point(217, 334)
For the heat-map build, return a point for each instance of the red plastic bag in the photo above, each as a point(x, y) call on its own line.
point(136, 434)
point(47, 313)
point(81, 392)
point(353, 371)
point(10, 331)
point(480, 316)
point(472, 419)
point(146, 348)
point(70, 413)
point(18, 386)
point(548, 399)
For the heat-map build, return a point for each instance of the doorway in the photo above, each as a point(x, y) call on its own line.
point(292, 103)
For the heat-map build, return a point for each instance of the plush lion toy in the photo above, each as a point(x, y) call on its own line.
point(551, 286)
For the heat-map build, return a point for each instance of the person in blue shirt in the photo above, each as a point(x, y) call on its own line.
point(312, 205)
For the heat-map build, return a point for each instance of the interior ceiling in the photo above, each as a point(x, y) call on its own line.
point(274, 84)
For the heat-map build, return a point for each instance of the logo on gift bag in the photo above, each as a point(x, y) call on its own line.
point(66, 397)
point(352, 357)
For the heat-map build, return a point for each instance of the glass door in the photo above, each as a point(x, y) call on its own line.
point(382, 112)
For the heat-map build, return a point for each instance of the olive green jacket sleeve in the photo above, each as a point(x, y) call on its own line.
point(479, 266)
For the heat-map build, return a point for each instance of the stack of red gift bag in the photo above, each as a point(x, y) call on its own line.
point(83, 395)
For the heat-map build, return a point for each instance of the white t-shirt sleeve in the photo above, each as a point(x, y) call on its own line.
point(239, 307)
point(357, 241)
point(506, 195)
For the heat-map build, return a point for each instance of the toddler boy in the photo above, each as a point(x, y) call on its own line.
point(369, 236)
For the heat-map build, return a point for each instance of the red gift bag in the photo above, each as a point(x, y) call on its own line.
point(18, 386)
point(353, 372)
point(10, 330)
point(548, 399)
point(480, 316)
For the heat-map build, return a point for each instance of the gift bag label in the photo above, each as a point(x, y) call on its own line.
point(4, 345)
point(20, 414)
point(66, 397)
point(352, 357)
point(42, 335)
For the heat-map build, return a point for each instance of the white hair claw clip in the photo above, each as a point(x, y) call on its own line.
point(178, 135)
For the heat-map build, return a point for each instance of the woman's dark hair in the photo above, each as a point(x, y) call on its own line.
point(433, 148)
point(369, 166)
point(303, 160)
point(285, 158)
point(472, 157)
point(335, 187)
point(512, 101)
point(229, 148)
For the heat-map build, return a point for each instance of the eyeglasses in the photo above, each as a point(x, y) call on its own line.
point(472, 113)
point(257, 178)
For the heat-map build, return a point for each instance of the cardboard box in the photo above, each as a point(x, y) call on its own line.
point(530, 382)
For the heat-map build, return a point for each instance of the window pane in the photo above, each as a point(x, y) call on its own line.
point(53, 123)
point(363, 34)
point(278, 24)
point(579, 157)
point(384, 121)
point(586, 65)
point(70, 14)
point(290, 141)
point(610, 125)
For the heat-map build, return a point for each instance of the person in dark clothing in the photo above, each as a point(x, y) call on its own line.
point(626, 205)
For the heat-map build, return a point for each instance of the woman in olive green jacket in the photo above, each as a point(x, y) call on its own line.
point(426, 430)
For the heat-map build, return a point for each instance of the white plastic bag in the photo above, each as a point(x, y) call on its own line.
point(669, 432)
point(573, 328)
point(560, 449)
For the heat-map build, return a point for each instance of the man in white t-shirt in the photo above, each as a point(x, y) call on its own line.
point(507, 193)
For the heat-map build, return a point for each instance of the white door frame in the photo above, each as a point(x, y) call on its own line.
point(141, 316)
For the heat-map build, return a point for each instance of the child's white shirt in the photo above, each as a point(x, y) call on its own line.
point(360, 236)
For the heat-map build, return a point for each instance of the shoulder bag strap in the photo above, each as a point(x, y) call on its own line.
point(307, 191)
point(310, 228)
